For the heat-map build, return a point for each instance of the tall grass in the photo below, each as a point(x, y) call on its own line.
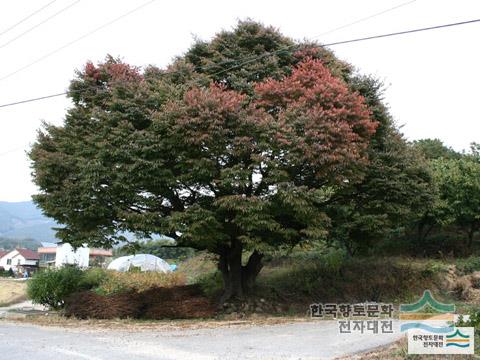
point(117, 282)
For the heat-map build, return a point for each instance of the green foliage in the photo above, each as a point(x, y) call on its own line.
point(52, 286)
point(197, 266)
point(356, 279)
point(210, 283)
point(235, 161)
point(433, 267)
point(92, 278)
point(435, 149)
point(468, 265)
point(164, 249)
point(459, 193)
point(473, 320)
point(5, 273)
point(395, 191)
point(216, 60)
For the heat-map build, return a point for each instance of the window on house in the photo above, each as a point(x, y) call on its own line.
point(19, 262)
point(9, 261)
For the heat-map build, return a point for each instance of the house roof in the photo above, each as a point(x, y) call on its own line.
point(47, 250)
point(100, 252)
point(48, 244)
point(28, 254)
point(3, 253)
point(93, 251)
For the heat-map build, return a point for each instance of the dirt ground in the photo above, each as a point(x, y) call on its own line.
point(56, 320)
point(12, 291)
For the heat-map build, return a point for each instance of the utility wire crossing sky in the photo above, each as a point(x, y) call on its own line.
point(430, 84)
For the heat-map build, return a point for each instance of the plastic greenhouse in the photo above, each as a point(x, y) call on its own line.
point(145, 262)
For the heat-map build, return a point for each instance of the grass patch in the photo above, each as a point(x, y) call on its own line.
point(52, 287)
point(292, 282)
point(197, 267)
point(468, 265)
point(12, 292)
point(113, 282)
point(350, 280)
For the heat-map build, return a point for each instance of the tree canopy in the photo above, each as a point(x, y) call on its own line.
point(242, 145)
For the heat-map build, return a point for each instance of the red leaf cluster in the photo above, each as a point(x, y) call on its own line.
point(112, 71)
point(325, 124)
point(313, 122)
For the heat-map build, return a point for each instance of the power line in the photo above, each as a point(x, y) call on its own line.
point(358, 40)
point(26, 18)
point(11, 151)
point(34, 99)
point(320, 35)
point(285, 48)
point(332, 30)
point(77, 39)
point(366, 18)
point(95, 30)
point(39, 24)
point(405, 32)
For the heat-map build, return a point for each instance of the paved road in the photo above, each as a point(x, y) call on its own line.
point(308, 340)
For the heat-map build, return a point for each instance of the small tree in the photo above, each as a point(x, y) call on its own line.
point(52, 286)
point(459, 187)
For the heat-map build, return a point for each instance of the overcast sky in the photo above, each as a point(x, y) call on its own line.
point(432, 78)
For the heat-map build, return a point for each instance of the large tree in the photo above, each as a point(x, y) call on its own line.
point(229, 157)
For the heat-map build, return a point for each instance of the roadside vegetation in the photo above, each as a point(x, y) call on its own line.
point(55, 287)
point(287, 285)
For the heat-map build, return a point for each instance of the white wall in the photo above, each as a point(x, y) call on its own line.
point(4, 260)
point(66, 255)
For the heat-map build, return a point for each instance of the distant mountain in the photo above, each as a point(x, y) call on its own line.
point(10, 244)
point(23, 220)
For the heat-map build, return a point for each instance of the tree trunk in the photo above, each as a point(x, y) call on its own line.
point(251, 270)
point(230, 264)
point(238, 279)
point(471, 233)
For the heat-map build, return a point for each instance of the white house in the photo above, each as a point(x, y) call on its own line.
point(19, 260)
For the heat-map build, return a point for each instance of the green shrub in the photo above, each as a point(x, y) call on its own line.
point(433, 267)
point(469, 265)
point(52, 286)
point(93, 278)
point(4, 273)
point(211, 283)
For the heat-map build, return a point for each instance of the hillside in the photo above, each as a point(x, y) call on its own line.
point(23, 220)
